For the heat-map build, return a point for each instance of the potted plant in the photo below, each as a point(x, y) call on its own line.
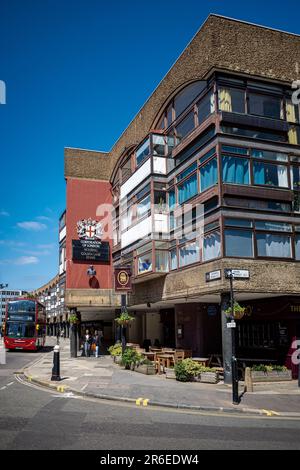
point(209, 375)
point(238, 311)
point(170, 373)
point(116, 352)
point(130, 358)
point(145, 367)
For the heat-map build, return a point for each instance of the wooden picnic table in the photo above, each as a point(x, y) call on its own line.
point(164, 360)
point(149, 355)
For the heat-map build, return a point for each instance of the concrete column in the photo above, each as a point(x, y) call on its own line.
point(226, 340)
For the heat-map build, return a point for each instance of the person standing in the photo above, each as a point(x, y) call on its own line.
point(97, 344)
point(87, 344)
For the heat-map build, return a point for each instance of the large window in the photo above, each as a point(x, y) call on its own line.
point(173, 259)
point(273, 245)
point(208, 174)
point(270, 175)
point(231, 100)
point(161, 261)
point(297, 247)
point(265, 105)
point(295, 177)
point(211, 246)
point(143, 207)
point(145, 263)
point(239, 243)
point(188, 254)
point(206, 106)
point(159, 144)
point(188, 189)
point(235, 170)
point(143, 152)
point(187, 96)
point(185, 126)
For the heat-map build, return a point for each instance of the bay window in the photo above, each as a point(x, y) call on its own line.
point(185, 126)
point(188, 189)
point(143, 152)
point(297, 247)
point(295, 178)
point(189, 254)
point(208, 175)
point(231, 100)
point(143, 207)
point(206, 106)
point(235, 170)
point(161, 261)
point(173, 259)
point(239, 243)
point(273, 245)
point(265, 105)
point(211, 246)
point(270, 175)
point(145, 263)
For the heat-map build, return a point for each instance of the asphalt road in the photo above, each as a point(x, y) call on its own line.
point(33, 418)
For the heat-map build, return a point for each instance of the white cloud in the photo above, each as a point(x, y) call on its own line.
point(33, 226)
point(43, 217)
point(4, 214)
point(26, 260)
point(12, 243)
point(48, 246)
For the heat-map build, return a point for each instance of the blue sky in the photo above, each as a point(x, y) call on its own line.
point(76, 73)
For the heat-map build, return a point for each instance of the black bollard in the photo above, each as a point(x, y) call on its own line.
point(235, 382)
point(56, 366)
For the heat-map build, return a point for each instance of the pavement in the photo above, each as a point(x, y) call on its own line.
point(102, 378)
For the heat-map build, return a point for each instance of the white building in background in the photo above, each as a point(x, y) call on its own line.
point(6, 296)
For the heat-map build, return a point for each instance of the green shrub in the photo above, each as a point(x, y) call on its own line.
point(187, 369)
point(192, 368)
point(130, 356)
point(268, 368)
point(115, 350)
point(181, 374)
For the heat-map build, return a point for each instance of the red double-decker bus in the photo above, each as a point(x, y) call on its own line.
point(25, 325)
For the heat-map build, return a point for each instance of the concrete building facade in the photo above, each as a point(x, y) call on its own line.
point(220, 137)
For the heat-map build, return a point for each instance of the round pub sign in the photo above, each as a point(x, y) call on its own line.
point(123, 279)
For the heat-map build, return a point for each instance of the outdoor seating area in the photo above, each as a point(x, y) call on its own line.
point(166, 357)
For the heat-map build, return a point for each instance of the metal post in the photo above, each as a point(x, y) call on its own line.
point(123, 330)
point(299, 371)
point(73, 340)
point(235, 378)
point(56, 365)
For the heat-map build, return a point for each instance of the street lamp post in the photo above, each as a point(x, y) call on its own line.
point(123, 328)
point(235, 380)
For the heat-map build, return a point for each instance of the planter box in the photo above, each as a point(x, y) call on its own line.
point(146, 369)
point(207, 377)
point(273, 376)
point(170, 373)
point(117, 359)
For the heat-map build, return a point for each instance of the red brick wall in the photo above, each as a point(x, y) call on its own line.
point(83, 199)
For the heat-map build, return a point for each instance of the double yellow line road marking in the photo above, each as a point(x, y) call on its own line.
point(142, 401)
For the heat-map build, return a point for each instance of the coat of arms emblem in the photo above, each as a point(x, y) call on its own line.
point(89, 229)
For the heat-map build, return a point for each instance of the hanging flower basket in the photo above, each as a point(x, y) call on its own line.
point(124, 319)
point(238, 311)
point(73, 319)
